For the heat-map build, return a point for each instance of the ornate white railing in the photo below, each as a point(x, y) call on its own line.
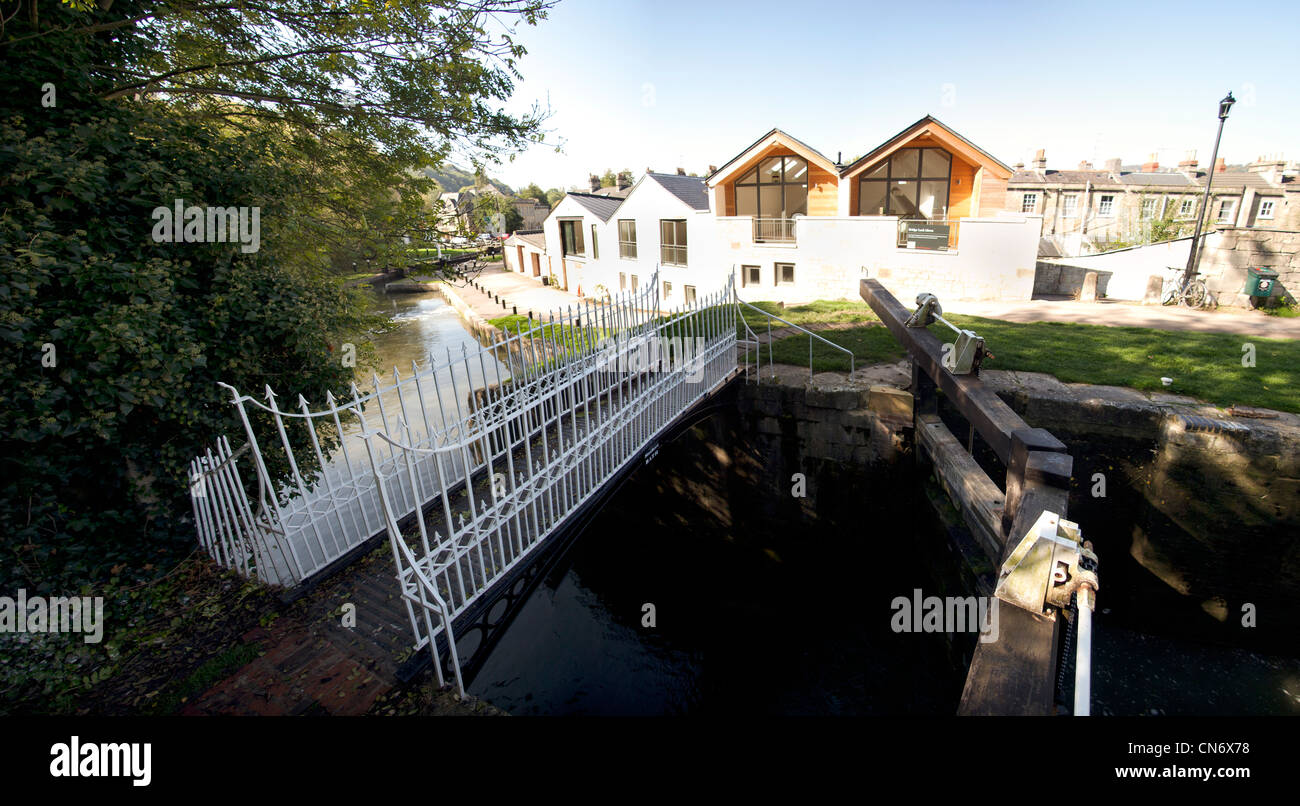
point(448, 420)
point(543, 443)
point(775, 230)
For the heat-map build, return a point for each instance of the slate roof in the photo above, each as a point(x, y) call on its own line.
point(537, 239)
point(1137, 179)
point(1238, 179)
point(690, 189)
point(1062, 178)
point(1157, 180)
point(602, 206)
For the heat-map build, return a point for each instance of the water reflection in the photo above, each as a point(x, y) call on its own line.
point(429, 332)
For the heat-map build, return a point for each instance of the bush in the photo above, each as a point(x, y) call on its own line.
point(115, 343)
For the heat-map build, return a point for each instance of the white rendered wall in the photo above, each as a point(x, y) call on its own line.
point(1129, 269)
point(994, 259)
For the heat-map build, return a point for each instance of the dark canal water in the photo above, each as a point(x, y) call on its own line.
point(782, 621)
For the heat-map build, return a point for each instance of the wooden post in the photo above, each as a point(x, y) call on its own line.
point(1015, 674)
point(1025, 441)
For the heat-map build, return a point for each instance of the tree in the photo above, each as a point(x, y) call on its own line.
point(359, 91)
point(553, 197)
point(514, 219)
point(1166, 227)
point(493, 211)
point(533, 191)
point(114, 338)
point(608, 180)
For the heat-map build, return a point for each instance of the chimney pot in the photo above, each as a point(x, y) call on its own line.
point(595, 183)
point(1220, 165)
point(1040, 160)
point(1152, 165)
point(1084, 165)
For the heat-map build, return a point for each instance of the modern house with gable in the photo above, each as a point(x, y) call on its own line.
point(922, 211)
point(663, 223)
point(573, 237)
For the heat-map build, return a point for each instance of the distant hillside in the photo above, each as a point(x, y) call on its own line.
point(451, 178)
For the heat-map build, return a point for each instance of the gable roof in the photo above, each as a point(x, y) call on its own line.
point(690, 189)
point(936, 128)
point(773, 137)
point(602, 206)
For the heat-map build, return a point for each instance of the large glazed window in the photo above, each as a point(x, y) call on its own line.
point(911, 184)
point(776, 188)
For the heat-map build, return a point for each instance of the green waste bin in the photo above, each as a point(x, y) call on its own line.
point(1259, 282)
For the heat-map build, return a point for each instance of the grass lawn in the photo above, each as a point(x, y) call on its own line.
point(1207, 366)
point(431, 252)
point(569, 338)
point(360, 275)
point(819, 311)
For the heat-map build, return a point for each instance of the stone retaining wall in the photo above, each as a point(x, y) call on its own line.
point(1213, 514)
point(1228, 253)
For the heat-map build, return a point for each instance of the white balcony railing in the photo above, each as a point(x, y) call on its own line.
point(671, 255)
point(774, 230)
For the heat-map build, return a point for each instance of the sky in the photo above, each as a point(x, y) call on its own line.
point(669, 84)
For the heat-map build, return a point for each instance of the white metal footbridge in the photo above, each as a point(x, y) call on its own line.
point(469, 463)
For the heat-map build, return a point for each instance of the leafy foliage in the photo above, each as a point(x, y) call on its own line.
point(534, 191)
point(308, 111)
point(95, 446)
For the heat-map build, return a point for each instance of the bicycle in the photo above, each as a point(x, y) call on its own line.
point(1190, 292)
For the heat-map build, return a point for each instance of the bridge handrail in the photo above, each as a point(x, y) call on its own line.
point(811, 336)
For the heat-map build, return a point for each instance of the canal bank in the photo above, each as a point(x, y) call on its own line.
point(770, 542)
point(1193, 508)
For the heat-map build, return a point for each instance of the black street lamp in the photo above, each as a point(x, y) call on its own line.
point(1194, 256)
